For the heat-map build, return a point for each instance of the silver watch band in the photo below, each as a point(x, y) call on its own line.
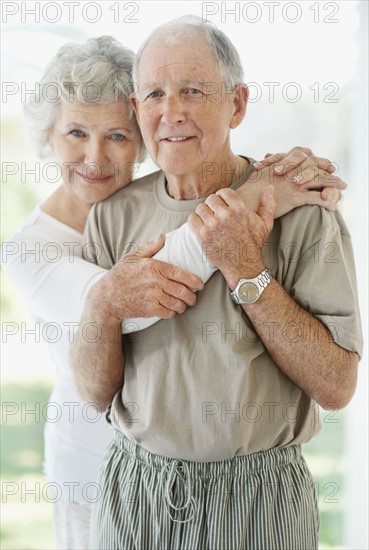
point(257, 286)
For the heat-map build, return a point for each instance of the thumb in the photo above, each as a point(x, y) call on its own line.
point(149, 249)
point(267, 207)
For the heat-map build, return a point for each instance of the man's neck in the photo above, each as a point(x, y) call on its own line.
point(208, 180)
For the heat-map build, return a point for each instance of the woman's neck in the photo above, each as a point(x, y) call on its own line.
point(66, 207)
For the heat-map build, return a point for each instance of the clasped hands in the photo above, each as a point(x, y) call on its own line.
point(233, 226)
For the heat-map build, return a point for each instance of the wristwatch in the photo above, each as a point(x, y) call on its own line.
point(249, 290)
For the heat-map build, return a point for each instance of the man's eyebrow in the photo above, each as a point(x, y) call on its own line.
point(180, 83)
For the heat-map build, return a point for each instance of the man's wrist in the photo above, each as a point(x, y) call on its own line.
point(97, 308)
point(250, 271)
point(248, 291)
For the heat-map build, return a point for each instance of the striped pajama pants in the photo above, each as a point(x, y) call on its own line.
point(261, 501)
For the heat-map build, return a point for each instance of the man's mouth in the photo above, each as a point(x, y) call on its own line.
point(177, 138)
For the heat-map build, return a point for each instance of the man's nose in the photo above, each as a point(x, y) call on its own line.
point(174, 110)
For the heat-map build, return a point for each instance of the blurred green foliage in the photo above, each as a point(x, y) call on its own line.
point(26, 519)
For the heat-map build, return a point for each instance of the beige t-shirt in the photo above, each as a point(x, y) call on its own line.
point(202, 386)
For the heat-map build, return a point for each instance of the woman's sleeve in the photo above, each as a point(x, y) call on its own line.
point(183, 249)
point(48, 270)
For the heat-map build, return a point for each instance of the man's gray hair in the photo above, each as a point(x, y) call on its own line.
point(229, 62)
point(98, 71)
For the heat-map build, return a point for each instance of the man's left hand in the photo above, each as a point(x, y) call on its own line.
point(232, 236)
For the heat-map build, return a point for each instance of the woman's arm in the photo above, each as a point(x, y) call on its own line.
point(44, 258)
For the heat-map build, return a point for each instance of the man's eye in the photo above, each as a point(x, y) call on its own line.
point(76, 133)
point(117, 137)
point(193, 91)
point(154, 95)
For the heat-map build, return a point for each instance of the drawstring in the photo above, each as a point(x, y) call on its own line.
point(178, 470)
point(173, 472)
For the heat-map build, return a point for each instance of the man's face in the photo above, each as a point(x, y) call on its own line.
point(184, 110)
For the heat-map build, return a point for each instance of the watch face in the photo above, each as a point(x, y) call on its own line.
point(248, 292)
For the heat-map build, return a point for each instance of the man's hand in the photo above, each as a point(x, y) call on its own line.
point(232, 235)
point(139, 286)
point(307, 179)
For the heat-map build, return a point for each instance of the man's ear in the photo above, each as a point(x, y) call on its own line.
point(240, 104)
point(134, 103)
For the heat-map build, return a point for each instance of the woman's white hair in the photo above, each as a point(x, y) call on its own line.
point(174, 31)
point(98, 71)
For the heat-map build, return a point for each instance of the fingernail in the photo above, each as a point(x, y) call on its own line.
point(297, 179)
point(258, 164)
point(278, 168)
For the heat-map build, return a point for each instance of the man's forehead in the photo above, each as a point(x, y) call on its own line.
point(192, 49)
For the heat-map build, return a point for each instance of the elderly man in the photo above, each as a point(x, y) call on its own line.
point(211, 406)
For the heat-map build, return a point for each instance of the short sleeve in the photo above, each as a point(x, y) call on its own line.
point(324, 279)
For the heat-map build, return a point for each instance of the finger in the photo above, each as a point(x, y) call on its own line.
point(332, 181)
point(195, 223)
point(163, 312)
point(229, 197)
point(291, 161)
point(306, 150)
point(326, 164)
point(180, 292)
point(267, 207)
point(314, 197)
point(271, 159)
point(317, 178)
point(216, 204)
point(172, 304)
point(330, 194)
point(204, 212)
point(179, 275)
point(309, 175)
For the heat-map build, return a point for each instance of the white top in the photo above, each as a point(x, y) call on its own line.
point(44, 260)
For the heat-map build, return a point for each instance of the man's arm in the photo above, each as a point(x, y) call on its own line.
point(99, 365)
point(314, 361)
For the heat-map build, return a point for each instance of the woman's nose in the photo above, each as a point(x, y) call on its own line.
point(96, 154)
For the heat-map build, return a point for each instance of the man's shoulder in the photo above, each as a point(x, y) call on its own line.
point(313, 217)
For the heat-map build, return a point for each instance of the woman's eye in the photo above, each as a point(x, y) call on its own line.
point(117, 137)
point(193, 91)
point(76, 133)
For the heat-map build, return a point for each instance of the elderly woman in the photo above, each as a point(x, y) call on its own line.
point(90, 129)
point(97, 145)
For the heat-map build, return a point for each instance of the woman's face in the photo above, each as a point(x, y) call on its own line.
point(97, 146)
